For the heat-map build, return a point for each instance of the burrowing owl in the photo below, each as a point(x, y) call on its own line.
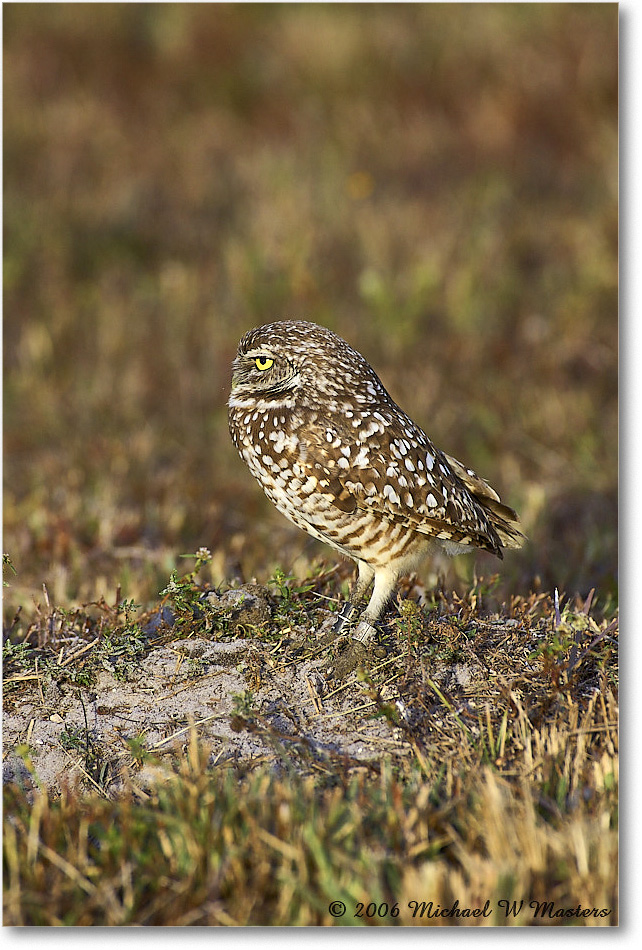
point(341, 460)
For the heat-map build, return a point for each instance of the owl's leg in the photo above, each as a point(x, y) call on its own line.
point(365, 631)
point(384, 584)
point(350, 608)
point(364, 580)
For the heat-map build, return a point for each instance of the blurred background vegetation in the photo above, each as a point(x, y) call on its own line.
point(435, 182)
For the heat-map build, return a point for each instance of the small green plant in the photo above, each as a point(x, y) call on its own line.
point(411, 622)
point(291, 606)
point(72, 737)
point(16, 656)
point(286, 590)
point(482, 590)
point(244, 703)
point(120, 651)
point(138, 749)
point(186, 597)
point(128, 607)
point(78, 676)
point(78, 739)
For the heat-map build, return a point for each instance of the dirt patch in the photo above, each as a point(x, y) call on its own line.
point(247, 699)
point(100, 705)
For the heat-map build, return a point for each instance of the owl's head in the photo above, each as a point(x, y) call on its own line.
point(294, 358)
point(265, 364)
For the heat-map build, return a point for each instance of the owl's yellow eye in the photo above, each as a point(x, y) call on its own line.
point(263, 362)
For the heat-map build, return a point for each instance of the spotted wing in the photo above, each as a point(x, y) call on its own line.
point(406, 479)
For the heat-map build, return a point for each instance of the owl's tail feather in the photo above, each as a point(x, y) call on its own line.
point(504, 520)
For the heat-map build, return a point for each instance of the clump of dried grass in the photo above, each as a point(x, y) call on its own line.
point(226, 849)
point(276, 845)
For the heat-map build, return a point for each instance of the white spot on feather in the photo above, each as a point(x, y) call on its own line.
point(391, 494)
point(362, 459)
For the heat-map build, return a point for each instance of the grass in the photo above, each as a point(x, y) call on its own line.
point(438, 184)
point(219, 848)
point(496, 780)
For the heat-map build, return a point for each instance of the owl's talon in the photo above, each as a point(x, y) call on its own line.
point(338, 625)
point(360, 646)
point(348, 661)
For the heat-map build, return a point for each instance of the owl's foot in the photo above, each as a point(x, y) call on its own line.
point(339, 624)
point(348, 661)
point(356, 651)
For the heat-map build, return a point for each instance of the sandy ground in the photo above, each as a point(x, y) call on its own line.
point(81, 735)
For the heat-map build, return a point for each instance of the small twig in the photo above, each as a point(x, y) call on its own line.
point(180, 732)
point(80, 767)
point(345, 712)
point(449, 706)
point(314, 694)
point(74, 656)
point(19, 677)
point(67, 868)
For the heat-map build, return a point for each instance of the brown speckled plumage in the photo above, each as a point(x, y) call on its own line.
point(341, 460)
